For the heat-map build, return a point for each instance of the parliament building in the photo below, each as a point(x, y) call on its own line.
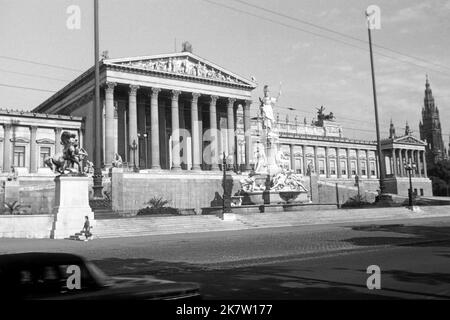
point(175, 115)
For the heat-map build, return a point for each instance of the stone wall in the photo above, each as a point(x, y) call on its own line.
point(400, 186)
point(26, 226)
point(184, 190)
point(345, 190)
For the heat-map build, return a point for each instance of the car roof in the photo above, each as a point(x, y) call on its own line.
point(38, 258)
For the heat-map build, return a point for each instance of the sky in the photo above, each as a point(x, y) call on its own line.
point(314, 66)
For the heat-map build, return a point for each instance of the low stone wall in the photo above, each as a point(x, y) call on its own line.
point(183, 190)
point(26, 226)
point(328, 194)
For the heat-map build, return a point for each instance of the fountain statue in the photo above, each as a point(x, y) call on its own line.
point(269, 177)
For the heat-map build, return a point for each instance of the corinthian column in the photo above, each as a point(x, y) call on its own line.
point(214, 135)
point(109, 123)
point(132, 123)
point(195, 132)
point(247, 133)
point(231, 135)
point(176, 162)
point(155, 128)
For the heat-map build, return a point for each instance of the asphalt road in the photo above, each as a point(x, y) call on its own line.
point(310, 262)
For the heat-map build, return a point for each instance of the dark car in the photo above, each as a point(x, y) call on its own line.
point(56, 276)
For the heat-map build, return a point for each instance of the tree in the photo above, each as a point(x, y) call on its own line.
point(440, 176)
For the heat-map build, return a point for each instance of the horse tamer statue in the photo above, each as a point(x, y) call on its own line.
point(72, 155)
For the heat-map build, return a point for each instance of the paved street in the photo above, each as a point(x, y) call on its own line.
point(322, 261)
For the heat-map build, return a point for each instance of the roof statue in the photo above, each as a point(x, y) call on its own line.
point(321, 116)
point(187, 47)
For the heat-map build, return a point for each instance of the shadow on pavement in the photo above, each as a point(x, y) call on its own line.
point(411, 236)
point(259, 282)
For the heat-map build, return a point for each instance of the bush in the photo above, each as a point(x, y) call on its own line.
point(157, 206)
point(357, 201)
point(13, 208)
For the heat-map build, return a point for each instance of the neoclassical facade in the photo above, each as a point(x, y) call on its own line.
point(27, 138)
point(180, 112)
point(161, 112)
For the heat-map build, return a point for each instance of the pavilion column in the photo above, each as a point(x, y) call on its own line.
point(176, 161)
point(394, 161)
point(400, 156)
point(214, 134)
point(132, 124)
point(327, 162)
point(33, 150)
point(196, 152)
point(305, 165)
point(231, 131)
point(377, 165)
point(338, 162)
point(358, 164)
point(247, 133)
point(316, 164)
point(367, 165)
point(109, 123)
point(291, 149)
point(424, 160)
point(154, 114)
point(419, 174)
point(58, 145)
point(7, 152)
point(349, 167)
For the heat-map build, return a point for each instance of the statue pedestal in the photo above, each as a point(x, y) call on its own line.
point(71, 205)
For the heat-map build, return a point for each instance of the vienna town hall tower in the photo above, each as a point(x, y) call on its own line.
point(430, 128)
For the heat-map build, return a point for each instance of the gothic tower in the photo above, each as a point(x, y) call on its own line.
point(430, 128)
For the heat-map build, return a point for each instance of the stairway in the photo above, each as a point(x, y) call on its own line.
point(142, 226)
point(145, 226)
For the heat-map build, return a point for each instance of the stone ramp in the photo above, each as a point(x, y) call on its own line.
point(145, 226)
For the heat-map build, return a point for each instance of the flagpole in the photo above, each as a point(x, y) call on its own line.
point(97, 112)
point(380, 153)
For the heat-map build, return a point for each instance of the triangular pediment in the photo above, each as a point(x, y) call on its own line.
point(183, 64)
point(408, 140)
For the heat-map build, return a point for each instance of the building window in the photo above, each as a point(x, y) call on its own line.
point(333, 167)
point(298, 166)
point(353, 167)
point(44, 153)
point(19, 156)
point(343, 167)
point(372, 168)
point(363, 168)
point(421, 191)
point(321, 166)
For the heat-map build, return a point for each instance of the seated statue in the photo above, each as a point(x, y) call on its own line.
point(117, 161)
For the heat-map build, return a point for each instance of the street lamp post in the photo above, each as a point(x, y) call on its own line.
point(134, 148)
point(144, 137)
point(410, 167)
point(357, 185)
point(98, 186)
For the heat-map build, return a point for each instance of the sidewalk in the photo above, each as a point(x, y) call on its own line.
point(145, 226)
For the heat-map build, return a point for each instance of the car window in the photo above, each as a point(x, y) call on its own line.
point(49, 280)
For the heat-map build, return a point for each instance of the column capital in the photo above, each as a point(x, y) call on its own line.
point(231, 102)
point(195, 96)
point(109, 86)
point(214, 99)
point(155, 91)
point(175, 94)
point(33, 128)
point(133, 89)
point(7, 126)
